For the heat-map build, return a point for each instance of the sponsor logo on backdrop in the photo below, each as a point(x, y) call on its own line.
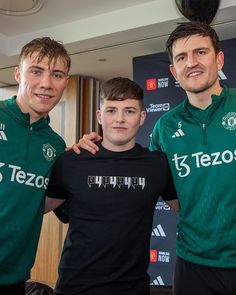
point(2, 132)
point(151, 84)
point(159, 107)
point(163, 257)
point(158, 281)
point(153, 255)
point(221, 75)
point(163, 83)
point(229, 121)
point(159, 256)
point(158, 231)
point(162, 206)
point(154, 84)
point(177, 84)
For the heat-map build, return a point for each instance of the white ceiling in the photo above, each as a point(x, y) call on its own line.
point(93, 30)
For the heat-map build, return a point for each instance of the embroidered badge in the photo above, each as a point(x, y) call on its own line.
point(229, 121)
point(49, 152)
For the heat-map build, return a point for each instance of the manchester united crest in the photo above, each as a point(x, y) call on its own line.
point(49, 152)
point(229, 121)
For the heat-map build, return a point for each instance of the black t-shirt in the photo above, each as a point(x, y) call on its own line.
point(111, 197)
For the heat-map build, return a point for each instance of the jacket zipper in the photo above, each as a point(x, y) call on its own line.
point(30, 130)
point(204, 133)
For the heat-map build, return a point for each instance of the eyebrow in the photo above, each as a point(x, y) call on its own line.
point(42, 69)
point(125, 108)
point(36, 67)
point(194, 50)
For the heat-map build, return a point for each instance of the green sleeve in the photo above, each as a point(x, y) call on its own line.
point(155, 138)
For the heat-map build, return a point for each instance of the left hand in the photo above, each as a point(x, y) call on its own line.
point(87, 143)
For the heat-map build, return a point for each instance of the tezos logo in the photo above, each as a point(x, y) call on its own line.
point(1, 176)
point(204, 160)
point(229, 121)
point(49, 152)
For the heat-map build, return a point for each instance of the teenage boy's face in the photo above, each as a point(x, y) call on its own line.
point(41, 85)
point(120, 121)
point(195, 63)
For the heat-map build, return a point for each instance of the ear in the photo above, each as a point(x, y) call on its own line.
point(173, 72)
point(142, 118)
point(17, 74)
point(67, 80)
point(98, 114)
point(220, 60)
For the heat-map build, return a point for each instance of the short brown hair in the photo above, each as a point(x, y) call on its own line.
point(120, 88)
point(188, 29)
point(46, 47)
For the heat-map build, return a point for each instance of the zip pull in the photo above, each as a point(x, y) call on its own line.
point(204, 133)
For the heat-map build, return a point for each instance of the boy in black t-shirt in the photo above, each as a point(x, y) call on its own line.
point(111, 200)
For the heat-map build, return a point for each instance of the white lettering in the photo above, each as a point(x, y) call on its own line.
point(164, 256)
point(14, 171)
point(118, 181)
point(27, 178)
point(98, 180)
point(1, 176)
point(39, 182)
point(20, 176)
point(228, 154)
point(202, 160)
point(113, 181)
point(153, 108)
point(128, 181)
point(162, 206)
point(215, 159)
point(181, 165)
point(31, 177)
point(142, 182)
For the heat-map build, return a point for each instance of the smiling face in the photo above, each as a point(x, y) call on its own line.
point(196, 64)
point(120, 121)
point(41, 85)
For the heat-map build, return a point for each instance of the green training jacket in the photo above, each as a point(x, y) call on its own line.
point(201, 149)
point(27, 153)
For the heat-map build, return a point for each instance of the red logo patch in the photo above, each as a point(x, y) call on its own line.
point(151, 84)
point(153, 255)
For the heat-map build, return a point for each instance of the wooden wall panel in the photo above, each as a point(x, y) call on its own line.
point(49, 251)
point(64, 118)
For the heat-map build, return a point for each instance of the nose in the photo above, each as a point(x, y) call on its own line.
point(191, 61)
point(46, 81)
point(120, 117)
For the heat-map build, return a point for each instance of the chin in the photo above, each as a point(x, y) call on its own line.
point(44, 112)
point(197, 89)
